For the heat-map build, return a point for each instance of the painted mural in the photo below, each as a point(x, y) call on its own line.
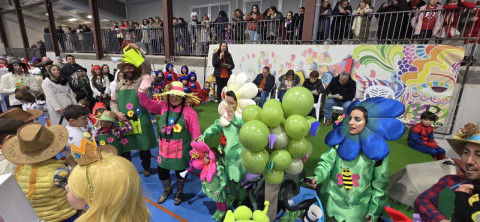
point(421, 76)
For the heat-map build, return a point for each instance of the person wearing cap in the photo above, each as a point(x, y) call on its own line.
point(60, 62)
point(8, 129)
point(40, 175)
point(436, 203)
point(18, 78)
point(125, 104)
point(177, 125)
point(111, 131)
point(100, 85)
point(70, 67)
point(80, 85)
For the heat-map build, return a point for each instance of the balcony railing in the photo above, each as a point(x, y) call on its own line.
point(442, 27)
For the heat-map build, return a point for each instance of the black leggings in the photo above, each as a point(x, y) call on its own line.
point(145, 156)
point(164, 174)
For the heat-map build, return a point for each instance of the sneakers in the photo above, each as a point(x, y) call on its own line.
point(327, 122)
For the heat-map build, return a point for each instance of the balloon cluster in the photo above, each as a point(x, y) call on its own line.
point(275, 136)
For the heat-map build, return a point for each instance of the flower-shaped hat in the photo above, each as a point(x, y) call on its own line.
point(382, 125)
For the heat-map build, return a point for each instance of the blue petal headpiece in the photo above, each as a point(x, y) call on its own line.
point(381, 125)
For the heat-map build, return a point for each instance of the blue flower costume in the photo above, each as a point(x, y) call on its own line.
point(355, 167)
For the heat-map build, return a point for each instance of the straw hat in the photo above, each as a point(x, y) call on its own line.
point(176, 88)
point(107, 116)
point(470, 133)
point(35, 143)
point(25, 116)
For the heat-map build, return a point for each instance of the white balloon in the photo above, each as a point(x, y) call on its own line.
point(295, 167)
point(282, 138)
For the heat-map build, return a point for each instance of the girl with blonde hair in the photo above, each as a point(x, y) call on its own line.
point(108, 189)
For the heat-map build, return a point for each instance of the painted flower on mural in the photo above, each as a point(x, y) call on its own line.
point(382, 125)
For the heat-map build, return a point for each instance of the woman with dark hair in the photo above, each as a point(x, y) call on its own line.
point(80, 85)
point(287, 81)
point(177, 125)
point(239, 26)
point(106, 72)
point(274, 24)
point(341, 21)
point(324, 23)
point(253, 26)
point(58, 95)
point(223, 63)
point(16, 79)
point(220, 25)
point(355, 167)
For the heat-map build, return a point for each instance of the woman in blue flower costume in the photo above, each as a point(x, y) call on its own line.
point(355, 166)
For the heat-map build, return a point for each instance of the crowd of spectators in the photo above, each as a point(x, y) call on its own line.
point(397, 21)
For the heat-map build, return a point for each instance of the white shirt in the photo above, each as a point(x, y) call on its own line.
point(6, 166)
point(75, 136)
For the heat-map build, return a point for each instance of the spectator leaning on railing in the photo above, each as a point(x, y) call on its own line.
point(253, 25)
point(341, 21)
point(427, 22)
point(324, 23)
point(361, 21)
point(239, 26)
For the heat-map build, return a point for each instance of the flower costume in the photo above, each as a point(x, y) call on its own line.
point(356, 166)
point(176, 126)
point(234, 168)
point(213, 178)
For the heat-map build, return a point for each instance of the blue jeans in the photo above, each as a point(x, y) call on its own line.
point(335, 102)
point(253, 35)
point(263, 97)
point(281, 94)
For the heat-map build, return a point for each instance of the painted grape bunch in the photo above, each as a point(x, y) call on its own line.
point(405, 64)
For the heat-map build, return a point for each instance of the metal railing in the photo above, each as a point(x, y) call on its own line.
point(449, 27)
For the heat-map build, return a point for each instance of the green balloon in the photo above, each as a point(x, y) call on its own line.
point(299, 148)
point(297, 101)
point(311, 120)
point(254, 135)
point(255, 163)
point(275, 177)
point(272, 115)
point(282, 139)
point(281, 159)
point(272, 102)
point(243, 213)
point(296, 127)
point(251, 112)
point(295, 167)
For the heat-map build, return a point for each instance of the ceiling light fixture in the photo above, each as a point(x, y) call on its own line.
point(89, 16)
point(72, 19)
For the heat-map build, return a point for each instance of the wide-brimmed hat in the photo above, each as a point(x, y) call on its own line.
point(470, 133)
point(35, 143)
point(25, 116)
point(176, 88)
point(107, 116)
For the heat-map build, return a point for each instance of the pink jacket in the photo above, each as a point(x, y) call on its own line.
point(417, 20)
point(159, 107)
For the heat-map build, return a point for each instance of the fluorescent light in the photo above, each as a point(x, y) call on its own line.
point(72, 19)
point(46, 14)
point(89, 16)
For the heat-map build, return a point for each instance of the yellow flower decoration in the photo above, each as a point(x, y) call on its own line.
point(130, 113)
point(195, 155)
point(102, 143)
point(177, 128)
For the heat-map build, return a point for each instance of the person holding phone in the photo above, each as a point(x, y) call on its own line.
point(223, 63)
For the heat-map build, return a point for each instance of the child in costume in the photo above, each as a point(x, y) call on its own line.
point(111, 133)
point(206, 91)
point(97, 111)
point(194, 85)
point(177, 124)
point(184, 71)
point(106, 186)
point(158, 83)
point(421, 138)
point(27, 99)
point(214, 185)
point(186, 85)
point(169, 74)
point(355, 167)
point(229, 125)
point(77, 117)
point(41, 176)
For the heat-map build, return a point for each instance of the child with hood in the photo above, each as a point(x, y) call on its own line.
point(170, 74)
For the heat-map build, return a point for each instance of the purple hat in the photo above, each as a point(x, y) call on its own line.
point(34, 59)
